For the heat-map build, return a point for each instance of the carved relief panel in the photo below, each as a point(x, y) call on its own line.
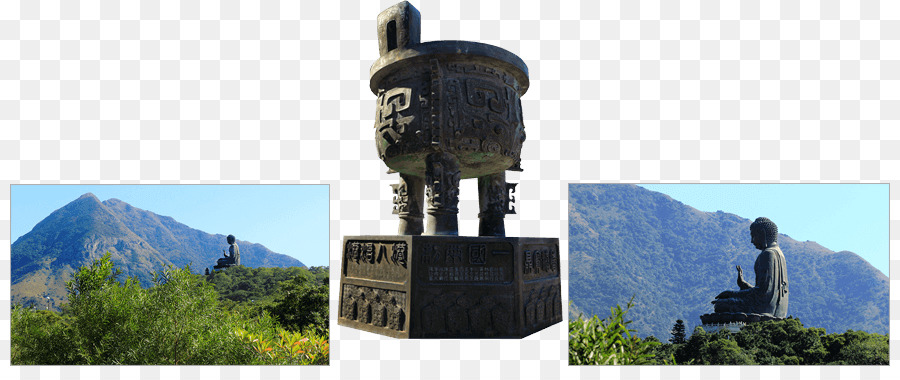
point(457, 313)
point(543, 305)
point(402, 113)
point(454, 107)
point(373, 306)
point(485, 112)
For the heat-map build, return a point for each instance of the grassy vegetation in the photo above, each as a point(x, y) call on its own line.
point(180, 320)
point(607, 341)
point(786, 342)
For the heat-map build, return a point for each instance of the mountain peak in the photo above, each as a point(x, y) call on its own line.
point(115, 202)
point(140, 242)
point(88, 196)
point(85, 205)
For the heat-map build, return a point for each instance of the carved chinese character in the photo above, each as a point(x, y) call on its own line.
point(399, 255)
point(369, 253)
point(389, 122)
point(529, 263)
point(545, 260)
point(554, 265)
point(401, 197)
point(354, 251)
point(477, 254)
point(431, 254)
point(454, 254)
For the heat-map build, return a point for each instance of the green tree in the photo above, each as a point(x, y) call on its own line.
point(302, 305)
point(690, 352)
point(724, 351)
point(106, 314)
point(677, 332)
point(240, 284)
point(860, 348)
point(782, 342)
point(188, 328)
point(663, 353)
point(40, 337)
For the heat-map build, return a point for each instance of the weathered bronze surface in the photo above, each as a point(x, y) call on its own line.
point(232, 257)
point(446, 111)
point(768, 298)
point(450, 287)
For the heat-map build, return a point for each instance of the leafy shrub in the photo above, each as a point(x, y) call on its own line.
point(241, 284)
point(784, 342)
point(302, 305)
point(285, 347)
point(607, 341)
point(177, 321)
point(725, 351)
point(859, 348)
point(40, 337)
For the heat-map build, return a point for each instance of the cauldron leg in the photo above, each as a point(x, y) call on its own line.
point(442, 191)
point(409, 195)
point(493, 201)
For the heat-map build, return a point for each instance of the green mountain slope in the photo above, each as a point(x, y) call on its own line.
point(139, 241)
point(625, 240)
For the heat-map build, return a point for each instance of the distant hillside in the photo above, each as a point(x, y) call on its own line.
point(625, 240)
point(140, 242)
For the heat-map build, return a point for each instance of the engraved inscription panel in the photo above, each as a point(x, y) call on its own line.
point(376, 260)
point(540, 261)
point(465, 263)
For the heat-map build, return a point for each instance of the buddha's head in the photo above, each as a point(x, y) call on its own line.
point(230, 239)
point(763, 233)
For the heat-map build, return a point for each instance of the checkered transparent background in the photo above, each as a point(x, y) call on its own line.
point(232, 91)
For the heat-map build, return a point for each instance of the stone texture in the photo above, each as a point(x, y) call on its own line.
point(450, 287)
point(768, 298)
point(447, 111)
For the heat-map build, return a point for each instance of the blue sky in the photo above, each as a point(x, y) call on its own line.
point(840, 217)
point(288, 219)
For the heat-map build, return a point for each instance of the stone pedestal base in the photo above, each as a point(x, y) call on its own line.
point(732, 327)
point(450, 286)
point(732, 321)
point(220, 266)
point(723, 318)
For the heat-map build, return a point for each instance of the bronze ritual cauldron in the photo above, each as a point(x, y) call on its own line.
point(446, 110)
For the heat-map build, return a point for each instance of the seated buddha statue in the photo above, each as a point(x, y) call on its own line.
point(769, 296)
point(232, 257)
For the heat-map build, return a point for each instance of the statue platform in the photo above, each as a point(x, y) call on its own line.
point(732, 327)
point(429, 286)
point(732, 318)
